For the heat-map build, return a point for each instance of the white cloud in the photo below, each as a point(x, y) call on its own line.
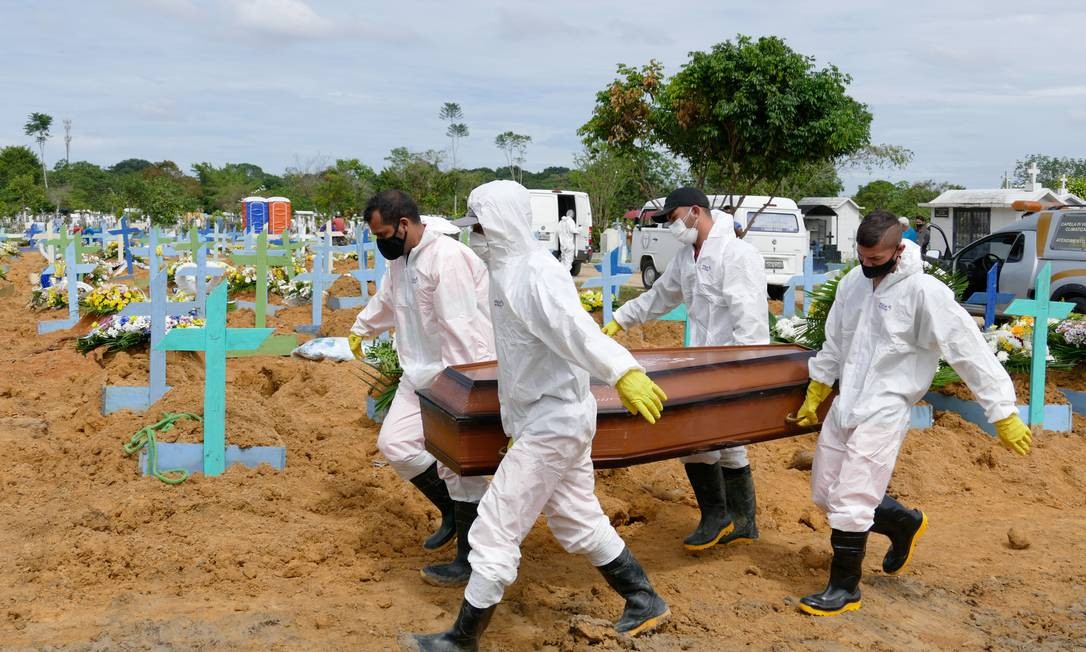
point(292, 19)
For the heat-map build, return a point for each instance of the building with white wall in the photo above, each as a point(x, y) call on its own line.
point(831, 223)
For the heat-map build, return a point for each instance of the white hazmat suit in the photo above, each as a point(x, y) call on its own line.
point(547, 347)
point(724, 290)
point(883, 347)
point(567, 239)
point(437, 298)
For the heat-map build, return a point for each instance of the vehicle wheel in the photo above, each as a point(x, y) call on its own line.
point(1078, 300)
point(576, 269)
point(649, 275)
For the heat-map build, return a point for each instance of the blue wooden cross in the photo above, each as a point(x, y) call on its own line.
point(198, 248)
point(1041, 309)
point(320, 279)
point(364, 274)
point(124, 232)
point(139, 398)
point(991, 297)
point(91, 236)
point(214, 340)
point(612, 276)
point(74, 268)
point(31, 236)
point(808, 280)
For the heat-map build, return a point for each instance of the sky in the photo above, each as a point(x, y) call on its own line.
point(970, 86)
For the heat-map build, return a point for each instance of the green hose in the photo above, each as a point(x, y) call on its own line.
point(146, 437)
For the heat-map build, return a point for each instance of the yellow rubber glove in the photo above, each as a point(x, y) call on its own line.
point(611, 328)
point(1014, 434)
point(808, 412)
point(355, 342)
point(640, 395)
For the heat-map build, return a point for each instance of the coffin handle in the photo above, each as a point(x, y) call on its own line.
point(793, 420)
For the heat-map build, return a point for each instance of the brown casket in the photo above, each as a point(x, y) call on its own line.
point(717, 397)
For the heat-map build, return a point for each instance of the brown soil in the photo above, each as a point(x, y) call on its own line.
point(325, 554)
point(1021, 389)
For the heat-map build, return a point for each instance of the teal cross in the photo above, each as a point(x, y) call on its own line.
point(1041, 309)
point(214, 339)
point(290, 246)
point(260, 259)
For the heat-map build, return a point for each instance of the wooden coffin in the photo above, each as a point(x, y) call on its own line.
point(717, 397)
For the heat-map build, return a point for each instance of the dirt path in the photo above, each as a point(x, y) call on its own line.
point(325, 554)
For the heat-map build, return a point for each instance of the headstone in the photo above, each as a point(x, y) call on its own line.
point(1041, 309)
point(138, 399)
point(74, 269)
point(214, 340)
point(126, 244)
point(808, 280)
point(320, 279)
point(364, 274)
point(199, 256)
point(612, 276)
point(991, 297)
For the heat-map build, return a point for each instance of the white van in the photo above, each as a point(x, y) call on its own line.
point(778, 233)
point(547, 207)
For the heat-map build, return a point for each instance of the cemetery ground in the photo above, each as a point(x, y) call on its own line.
point(325, 554)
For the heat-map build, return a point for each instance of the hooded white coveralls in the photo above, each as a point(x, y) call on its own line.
point(437, 298)
point(548, 347)
point(567, 238)
point(725, 295)
point(884, 348)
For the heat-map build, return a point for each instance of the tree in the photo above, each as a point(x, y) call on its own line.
point(17, 160)
point(345, 187)
point(159, 197)
point(67, 141)
point(900, 198)
point(1051, 168)
point(37, 125)
point(453, 114)
point(418, 174)
point(130, 165)
point(747, 113)
point(22, 191)
point(1077, 186)
point(84, 186)
point(610, 181)
point(514, 146)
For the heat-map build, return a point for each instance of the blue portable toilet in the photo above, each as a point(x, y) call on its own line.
point(254, 212)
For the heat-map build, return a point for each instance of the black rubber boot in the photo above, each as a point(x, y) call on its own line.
point(433, 487)
point(843, 591)
point(645, 609)
point(457, 572)
point(904, 527)
point(739, 492)
point(463, 636)
point(708, 485)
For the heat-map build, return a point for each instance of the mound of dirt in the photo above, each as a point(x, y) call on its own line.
point(325, 554)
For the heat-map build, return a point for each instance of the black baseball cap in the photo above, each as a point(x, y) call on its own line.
point(685, 196)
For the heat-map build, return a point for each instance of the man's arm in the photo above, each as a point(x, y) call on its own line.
point(660, 299)
point(944, 324)
point(379, 314)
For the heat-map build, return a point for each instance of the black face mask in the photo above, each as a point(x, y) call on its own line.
point(392, 247)
point(875, 271)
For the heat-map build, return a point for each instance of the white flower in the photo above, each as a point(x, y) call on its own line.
point(1002, 356)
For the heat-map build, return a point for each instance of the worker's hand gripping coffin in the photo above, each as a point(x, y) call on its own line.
point(717, 397)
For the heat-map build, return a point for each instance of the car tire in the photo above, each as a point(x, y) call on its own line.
point(575, 270)
point(648, 274)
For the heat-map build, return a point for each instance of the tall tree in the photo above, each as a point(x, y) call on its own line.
point(453, 114)
point(17, 160)
point(747, 113)
point(37, 125)
point(67, 140)
point(344, 187)
point(1077, 186)
point(515, 147)
point(900, 198)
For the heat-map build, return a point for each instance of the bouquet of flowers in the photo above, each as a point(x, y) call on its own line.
point(591, 300)
point(381, 371)
point(118, 333)
point(787, 329)
point(109, 299)
point(54, 297)
point(171, 269)
point(9, 248)
point(101, 273)
point(1067, 340)
point(294, 293)
point(240, 279)
point(1012, 344)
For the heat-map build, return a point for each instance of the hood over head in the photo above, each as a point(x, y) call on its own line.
point(504, 210)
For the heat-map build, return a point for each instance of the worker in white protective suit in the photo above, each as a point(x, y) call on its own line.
point(721, 279)
point(436, 295)
point(889, 325)
point(567, 240)
point(548, 348)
